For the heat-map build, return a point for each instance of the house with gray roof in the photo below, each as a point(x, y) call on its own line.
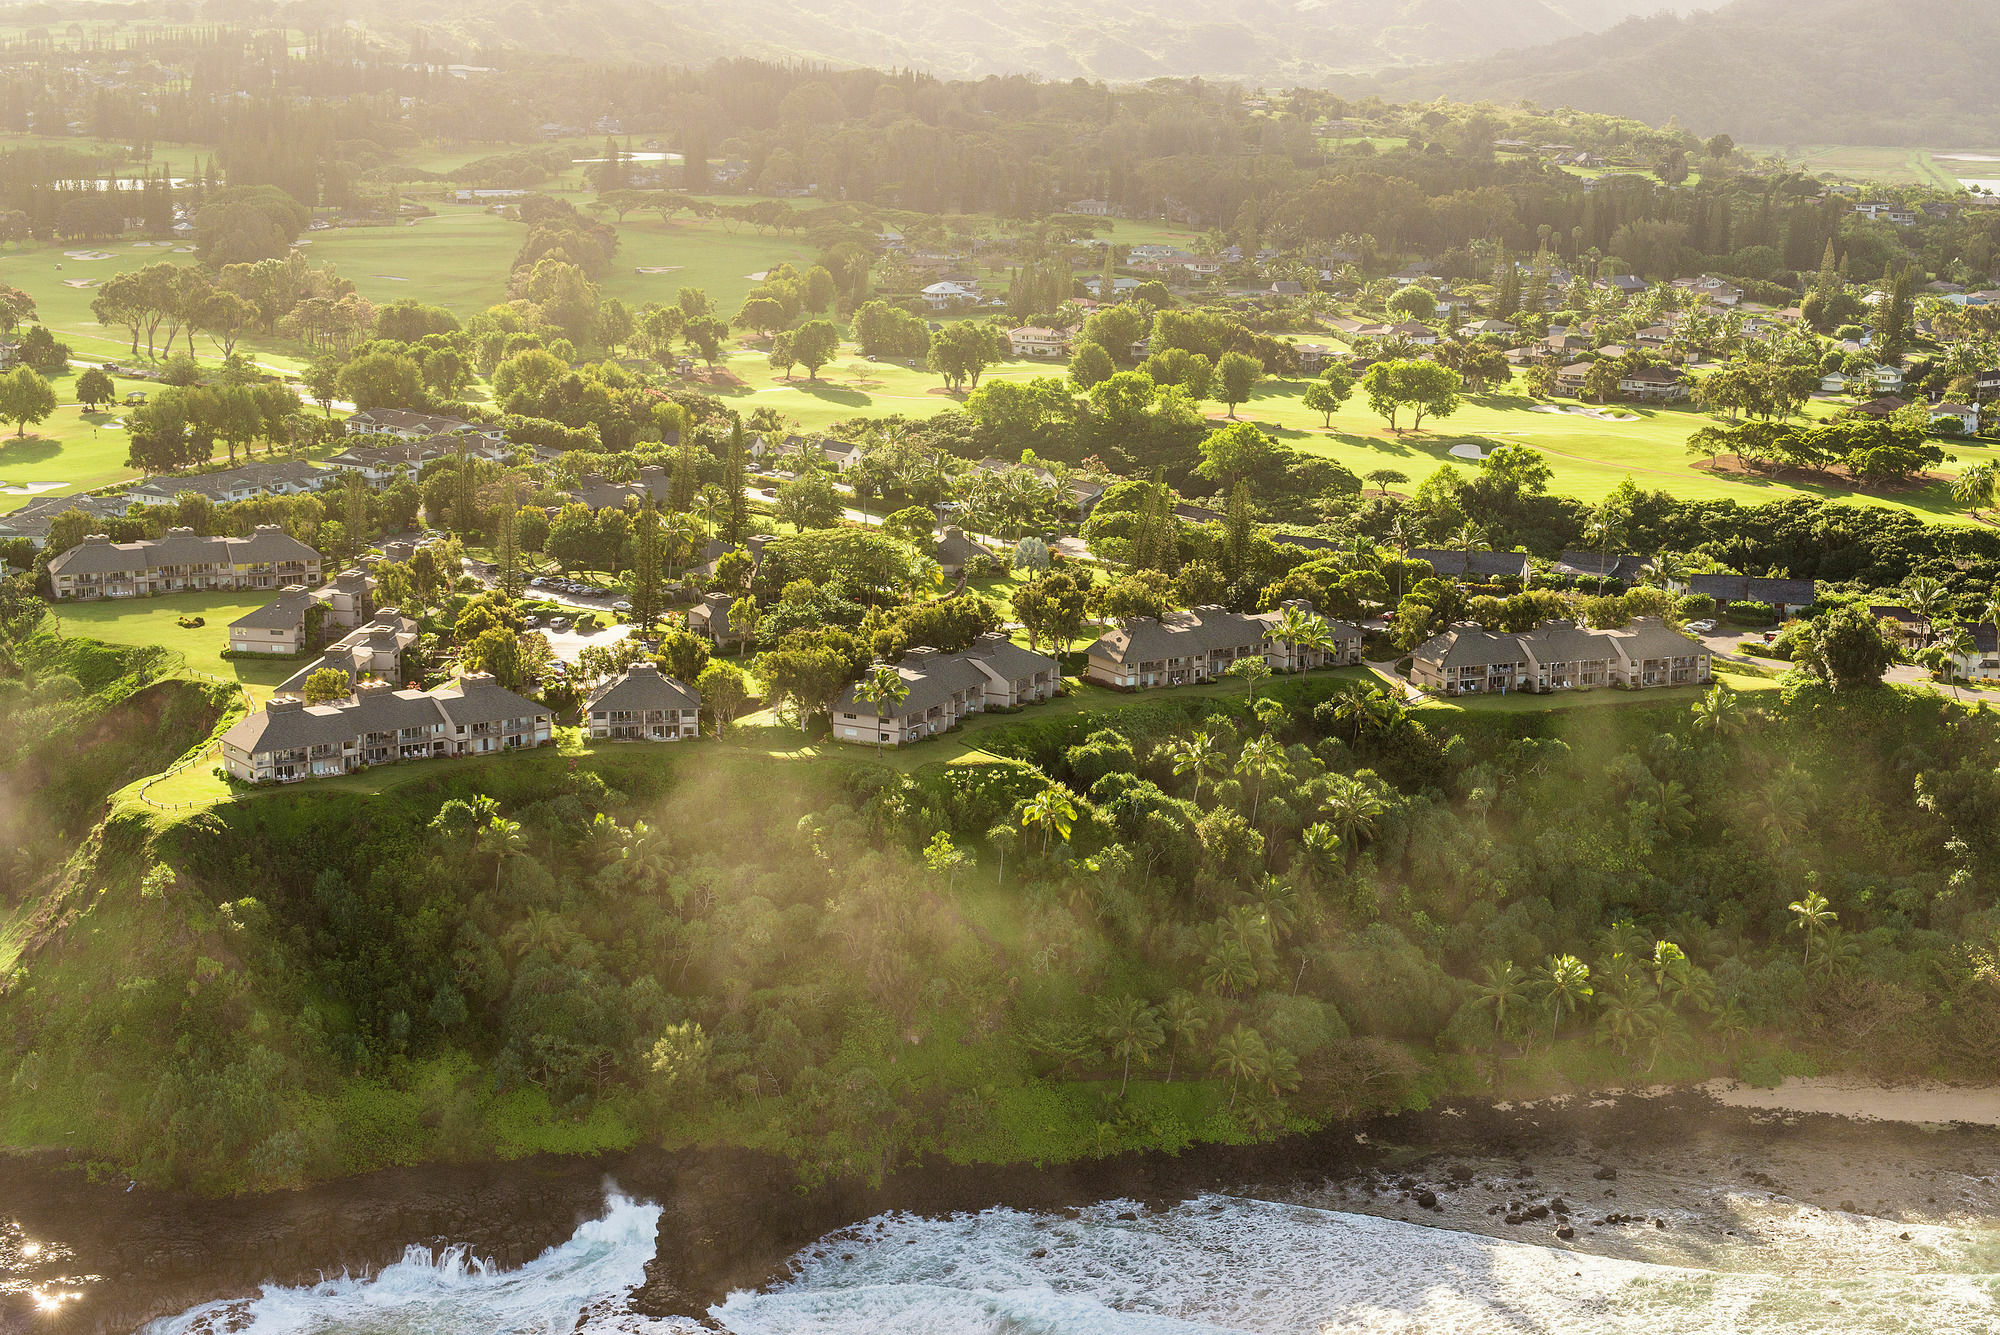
point(1624, 568)
point(1202, 643)
point(941, 690)
point(223, 486)
point(410, 426)
point(1474, 567)
point(180, 561)
point(282, 626)
point(954, 551)
point(643, 704)
point(709, 618)
point(289, 740)
point(1562, 655)
point(1787, 597)
point(375, 650)
point(31, 521)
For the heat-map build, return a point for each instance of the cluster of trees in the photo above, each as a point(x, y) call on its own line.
point(1874, 450)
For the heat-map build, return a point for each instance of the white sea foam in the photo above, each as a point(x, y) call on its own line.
point(1213, 1266)
point(451, 1293)
point(1232, 1265)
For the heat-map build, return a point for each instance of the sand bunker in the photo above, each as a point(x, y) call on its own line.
point(1580, 410)
point(391, 278)
point(89, 255)
point(80, 282)
point(759, 276)
point(30, 488)
point(1466, 450)
point(657, 268)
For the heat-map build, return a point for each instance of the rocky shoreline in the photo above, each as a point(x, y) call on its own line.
point(732, 1220)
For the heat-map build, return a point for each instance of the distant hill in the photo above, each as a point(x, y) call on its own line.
point(1916, 72)
point(1271, 42)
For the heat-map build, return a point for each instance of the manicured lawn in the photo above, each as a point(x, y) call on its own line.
point(1891, 166)
point(155, 621)
point(1588, 456)
point(1526, 703)
point(81, 451)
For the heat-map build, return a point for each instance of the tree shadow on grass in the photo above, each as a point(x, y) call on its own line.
point(17, 450)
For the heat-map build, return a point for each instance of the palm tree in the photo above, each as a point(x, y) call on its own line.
point(1565, 984)
point(1976, 485)
point(1665, 570)
point(884, 684)
point(1504, 988)
point(1813, 916)
point(1352, 808)
point(1241, 1054)
point(1184, 1017)
point(1718, 713)
point(1261, 757)
point(1319, 846)
point(500, 839)
point(1130, 1028)
point(1198, 756)
point(1051, 809)
point(1928, 598)
point(1952, 648)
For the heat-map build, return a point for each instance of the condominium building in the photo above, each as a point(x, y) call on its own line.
point(182, 561)
point(289, 740)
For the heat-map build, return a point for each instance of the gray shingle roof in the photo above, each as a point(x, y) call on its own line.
point(1751, 589)
point(477, 698)
point(931, 678)
point(642, 687)
point(285, 612)
point(1183, 635)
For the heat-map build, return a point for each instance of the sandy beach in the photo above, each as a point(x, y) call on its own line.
point(1847, 1096)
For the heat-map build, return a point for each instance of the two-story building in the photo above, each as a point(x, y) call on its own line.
point(180, 562)
point(1203, 643)
point(643, 704)
point(1468, 659)
point(941, 690)
point(289, 740)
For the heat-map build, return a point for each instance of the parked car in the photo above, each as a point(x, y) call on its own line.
point(559, 623)
point(622, 605)
point(1703, 627)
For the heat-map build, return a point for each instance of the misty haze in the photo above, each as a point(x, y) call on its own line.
point(1115, 669)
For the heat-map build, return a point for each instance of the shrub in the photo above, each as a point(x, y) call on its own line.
point(1752, 614)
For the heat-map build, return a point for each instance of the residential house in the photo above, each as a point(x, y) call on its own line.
point(1468, 659)
point(1904, 625)
point(1982, 663)
point(1314, 357)
point(1787, 597)
point(378, 464)
point(709, 618)
point(1201, 644)
point(954, 551)
point(943, 296)
point(1090, 208)
point(1474, 567)
point(1571, 379)
point(32, 520)
point(1888, 405)
point(278, 627)
point(281, 477)
point(1038, 342)
point(643, 704)
point(289, 740)
point(1629, 284)
point(941, 690)
point(1479, 327)
point(282, 625)
point(1966, 415)
point(1624, 568)
point(376, 650)
point(1886, 379)
point(1653, 386)
point(97, 567)
point(410, 426)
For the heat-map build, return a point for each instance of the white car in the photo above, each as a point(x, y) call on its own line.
point(622, 605)
point(1702, 627)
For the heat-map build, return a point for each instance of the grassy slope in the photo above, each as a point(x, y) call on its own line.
point(132, 957)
